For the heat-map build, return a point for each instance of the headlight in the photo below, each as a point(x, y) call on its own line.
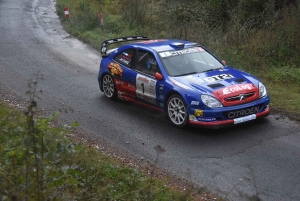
point(210, 101)
point(262, 90)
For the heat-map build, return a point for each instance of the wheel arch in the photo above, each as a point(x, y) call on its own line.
point(169, 94)
point(182, 123)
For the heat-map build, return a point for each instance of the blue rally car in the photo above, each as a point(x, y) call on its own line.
point(183, 79)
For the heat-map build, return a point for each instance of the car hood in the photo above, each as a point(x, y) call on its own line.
point(230, 86)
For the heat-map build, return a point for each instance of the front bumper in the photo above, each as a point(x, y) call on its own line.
point(227, 116)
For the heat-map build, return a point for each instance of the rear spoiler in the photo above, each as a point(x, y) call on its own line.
point(106, 43)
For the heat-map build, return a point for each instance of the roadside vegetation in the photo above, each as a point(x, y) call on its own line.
point(38, 161)
point(260, 37)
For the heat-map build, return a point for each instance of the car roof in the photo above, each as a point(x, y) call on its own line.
point(161, 45)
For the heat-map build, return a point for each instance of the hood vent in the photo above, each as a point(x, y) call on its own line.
point(213, 86)
point(239, 80)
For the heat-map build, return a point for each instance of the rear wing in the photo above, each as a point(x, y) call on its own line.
point(106, 43)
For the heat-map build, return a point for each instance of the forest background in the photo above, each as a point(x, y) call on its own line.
point(260, 37)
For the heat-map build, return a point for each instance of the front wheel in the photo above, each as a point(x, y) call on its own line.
point(177, 111)
point(109, 87)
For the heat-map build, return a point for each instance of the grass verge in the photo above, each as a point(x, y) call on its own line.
point(57, 168)
point(38, 161)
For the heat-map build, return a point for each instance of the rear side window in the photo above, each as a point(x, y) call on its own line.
point(125, 57)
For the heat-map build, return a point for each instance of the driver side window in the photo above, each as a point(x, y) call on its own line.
point(146, 62)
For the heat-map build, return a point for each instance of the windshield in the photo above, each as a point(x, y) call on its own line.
point(189, 61)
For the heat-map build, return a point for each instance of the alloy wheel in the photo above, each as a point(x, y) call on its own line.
point(108, 86)
point(177, 111)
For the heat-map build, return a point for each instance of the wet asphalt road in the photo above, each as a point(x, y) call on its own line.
point(262, 157)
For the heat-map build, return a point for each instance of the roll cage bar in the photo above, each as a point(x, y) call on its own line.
point(106, 43)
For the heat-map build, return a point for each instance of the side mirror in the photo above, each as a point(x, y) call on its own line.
point(158, 76)
point(224, 62)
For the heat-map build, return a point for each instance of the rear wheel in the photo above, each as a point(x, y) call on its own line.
point(109, 87)
point(177, 111)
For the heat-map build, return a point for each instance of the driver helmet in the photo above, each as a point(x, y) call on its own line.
point(151, 62)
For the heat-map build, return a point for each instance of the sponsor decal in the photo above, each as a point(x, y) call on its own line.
point(206, 119)
point(119, 82)
point(152, 81)
point(192, 117)
point(161, 91)
point(161, 94)
point(126, 55)
point(237, 88)
point(121, 93)
point(180, 52)
point(115, 70)
point(143, 79)
point(131, 86)
point(242, 113)
point(195, 103)
point(198, 113)
point(217, 78)
point(124, 61)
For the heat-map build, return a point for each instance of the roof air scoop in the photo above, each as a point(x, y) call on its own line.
point(191, 45)
point(177, 45)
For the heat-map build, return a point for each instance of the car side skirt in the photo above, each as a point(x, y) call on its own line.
point(126, 98)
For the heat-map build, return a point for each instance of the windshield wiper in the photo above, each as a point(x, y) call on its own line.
point(190, 73)
point(212, 69)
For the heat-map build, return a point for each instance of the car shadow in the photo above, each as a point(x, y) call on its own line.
point(154, 128)
point(149, 117)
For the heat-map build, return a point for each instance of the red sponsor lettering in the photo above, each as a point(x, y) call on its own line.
point(143, 79)
point(237, 94)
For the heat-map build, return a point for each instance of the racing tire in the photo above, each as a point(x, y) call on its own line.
point(177, 111)
point(109, 88)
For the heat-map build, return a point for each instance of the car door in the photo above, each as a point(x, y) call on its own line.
point(148, 89)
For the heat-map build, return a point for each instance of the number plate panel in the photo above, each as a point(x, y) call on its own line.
point(244, 119)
